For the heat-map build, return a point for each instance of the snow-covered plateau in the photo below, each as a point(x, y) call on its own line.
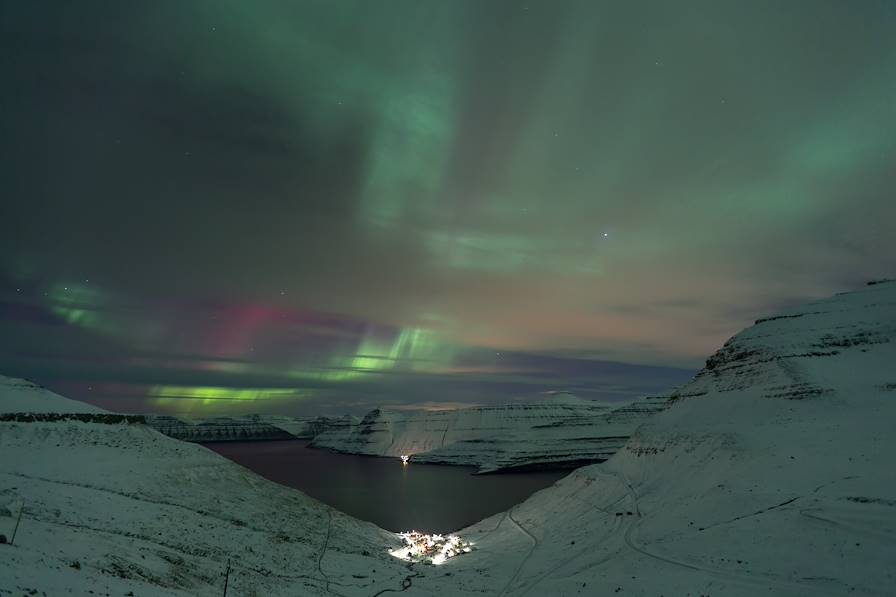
point(770, 474)
point(563, 433)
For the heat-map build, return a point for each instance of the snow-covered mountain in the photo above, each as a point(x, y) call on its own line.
point(118, 509)
point(249, 427)
point(561, 433)
point(22, 396)
point(770, 474)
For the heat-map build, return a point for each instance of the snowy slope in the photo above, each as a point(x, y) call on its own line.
point(22, 396)
point(512, 436)
point(112, 508)
point(771, 474)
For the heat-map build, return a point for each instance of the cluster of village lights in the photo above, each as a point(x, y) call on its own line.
point(436, 549)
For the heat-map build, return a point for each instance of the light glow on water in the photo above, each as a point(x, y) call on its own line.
point(396, 497)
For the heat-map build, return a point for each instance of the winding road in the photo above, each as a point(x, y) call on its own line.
point(629, 534)
point(522, 563)
point(797, 588)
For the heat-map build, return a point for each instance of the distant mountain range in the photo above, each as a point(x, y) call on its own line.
point(563, 433)
point(246, 428)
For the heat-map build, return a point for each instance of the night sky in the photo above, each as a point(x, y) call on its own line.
point(327, 206)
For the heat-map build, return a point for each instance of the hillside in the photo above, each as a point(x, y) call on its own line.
point(554, 434)
point(112, 508)
point(22, 396)
point(771, 473)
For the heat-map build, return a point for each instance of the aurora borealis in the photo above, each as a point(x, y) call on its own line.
point(216, 206)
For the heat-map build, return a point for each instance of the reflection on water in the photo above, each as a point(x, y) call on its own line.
point(426, 497)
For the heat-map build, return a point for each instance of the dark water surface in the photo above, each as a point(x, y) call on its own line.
point(425, 497)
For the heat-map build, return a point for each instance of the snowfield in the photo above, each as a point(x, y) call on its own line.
point(770, 474)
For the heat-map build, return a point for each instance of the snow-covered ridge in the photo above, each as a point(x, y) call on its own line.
point(250, 427)
point(512, 436)
point(782, 353)
point(116, 509)
point(771, 473)
point(22, 396)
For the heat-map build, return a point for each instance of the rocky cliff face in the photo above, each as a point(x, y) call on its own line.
point(506, 437)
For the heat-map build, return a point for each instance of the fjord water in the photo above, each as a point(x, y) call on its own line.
point(425, 497)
